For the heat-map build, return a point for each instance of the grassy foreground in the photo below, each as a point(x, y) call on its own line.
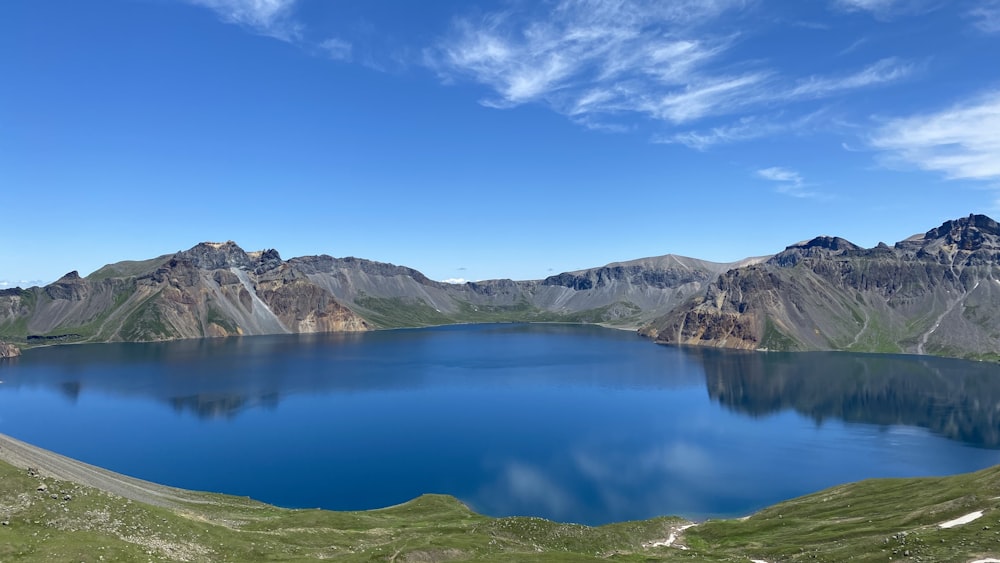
point(875, 520)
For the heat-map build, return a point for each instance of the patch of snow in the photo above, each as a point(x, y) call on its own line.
point(671, 538)
point(757, 561)
point(990, 560)
point(961, 520)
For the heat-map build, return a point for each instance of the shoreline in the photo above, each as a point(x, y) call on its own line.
point(934, 518)
point(48, 464)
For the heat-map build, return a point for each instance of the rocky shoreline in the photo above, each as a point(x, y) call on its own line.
point(9, 350)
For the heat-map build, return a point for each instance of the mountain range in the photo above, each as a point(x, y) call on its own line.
point(934, 293)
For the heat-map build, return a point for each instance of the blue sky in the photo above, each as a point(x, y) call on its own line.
point(476, 140)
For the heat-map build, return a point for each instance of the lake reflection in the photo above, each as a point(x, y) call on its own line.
point(572, 423)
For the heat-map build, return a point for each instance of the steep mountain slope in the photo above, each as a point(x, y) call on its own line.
point(934, 293)
point(209, 290)
point(218, 289)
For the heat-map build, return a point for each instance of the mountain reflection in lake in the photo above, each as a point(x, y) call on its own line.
point(958, 399)
point(573, 423)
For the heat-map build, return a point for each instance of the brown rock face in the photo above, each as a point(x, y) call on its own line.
point(9, 350)
point(304, 307)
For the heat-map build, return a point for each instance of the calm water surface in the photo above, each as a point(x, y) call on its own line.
point(572, 423)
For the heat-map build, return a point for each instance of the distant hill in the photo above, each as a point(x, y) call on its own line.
point(935, 293)
point(218, 289)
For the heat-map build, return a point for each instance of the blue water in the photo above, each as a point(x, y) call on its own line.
point(572, 423)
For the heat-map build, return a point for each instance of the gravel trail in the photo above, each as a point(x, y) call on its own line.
point(50, 464)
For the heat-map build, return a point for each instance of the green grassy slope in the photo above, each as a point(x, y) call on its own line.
point(397, 312)
point(876, 520)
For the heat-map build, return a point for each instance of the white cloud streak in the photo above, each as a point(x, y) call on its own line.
point(779, 174)
point(883, 71)
point(987, 16)
point(961, 142)
point(875, 6)
point(20, 283)
point(745, 128)
point(266, 17)
point(276, 19)
point(886, 10)
point(788, 182)
point(593, 60)
point(336, 49)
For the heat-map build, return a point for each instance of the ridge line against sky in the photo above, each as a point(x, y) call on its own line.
point(476, 140)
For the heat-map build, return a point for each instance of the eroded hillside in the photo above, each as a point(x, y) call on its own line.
point(936, 293)
point(218, 289)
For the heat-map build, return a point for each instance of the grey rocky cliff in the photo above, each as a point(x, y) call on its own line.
point(934, 293)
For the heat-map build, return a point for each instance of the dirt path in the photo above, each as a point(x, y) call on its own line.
point(857, 337)
point(50, 464)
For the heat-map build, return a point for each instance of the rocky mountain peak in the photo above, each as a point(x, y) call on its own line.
point(265, 260)
point(968, 233)
point(835, 244)
point(216, 255)
point(71, 286)
point(819, 246)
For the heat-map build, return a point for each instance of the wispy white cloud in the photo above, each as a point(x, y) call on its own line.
point(888, 9)
point(857, 44)
point(4, 284)
point(779, 174)
point(744, 129)
point(787, 181)
point(875, 6)
point(883, 71)
point(455, 280)
point(276, 19)
point(266, 17)
point(961, 142)
point(987, 16)
point(336, 49)
point(599, 62)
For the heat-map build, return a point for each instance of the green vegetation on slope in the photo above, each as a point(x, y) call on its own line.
point(875, 520)
point(774, 339)
point(16, 329)
point(214, 316)
point(146, 323)
point(398, 312)
point(128, 268)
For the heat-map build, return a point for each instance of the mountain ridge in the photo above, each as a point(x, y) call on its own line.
point(219, 289)
point(932, 293)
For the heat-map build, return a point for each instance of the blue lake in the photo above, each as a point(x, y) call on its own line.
point(572, 423)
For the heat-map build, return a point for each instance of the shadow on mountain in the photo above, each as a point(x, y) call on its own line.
point(956, 399)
